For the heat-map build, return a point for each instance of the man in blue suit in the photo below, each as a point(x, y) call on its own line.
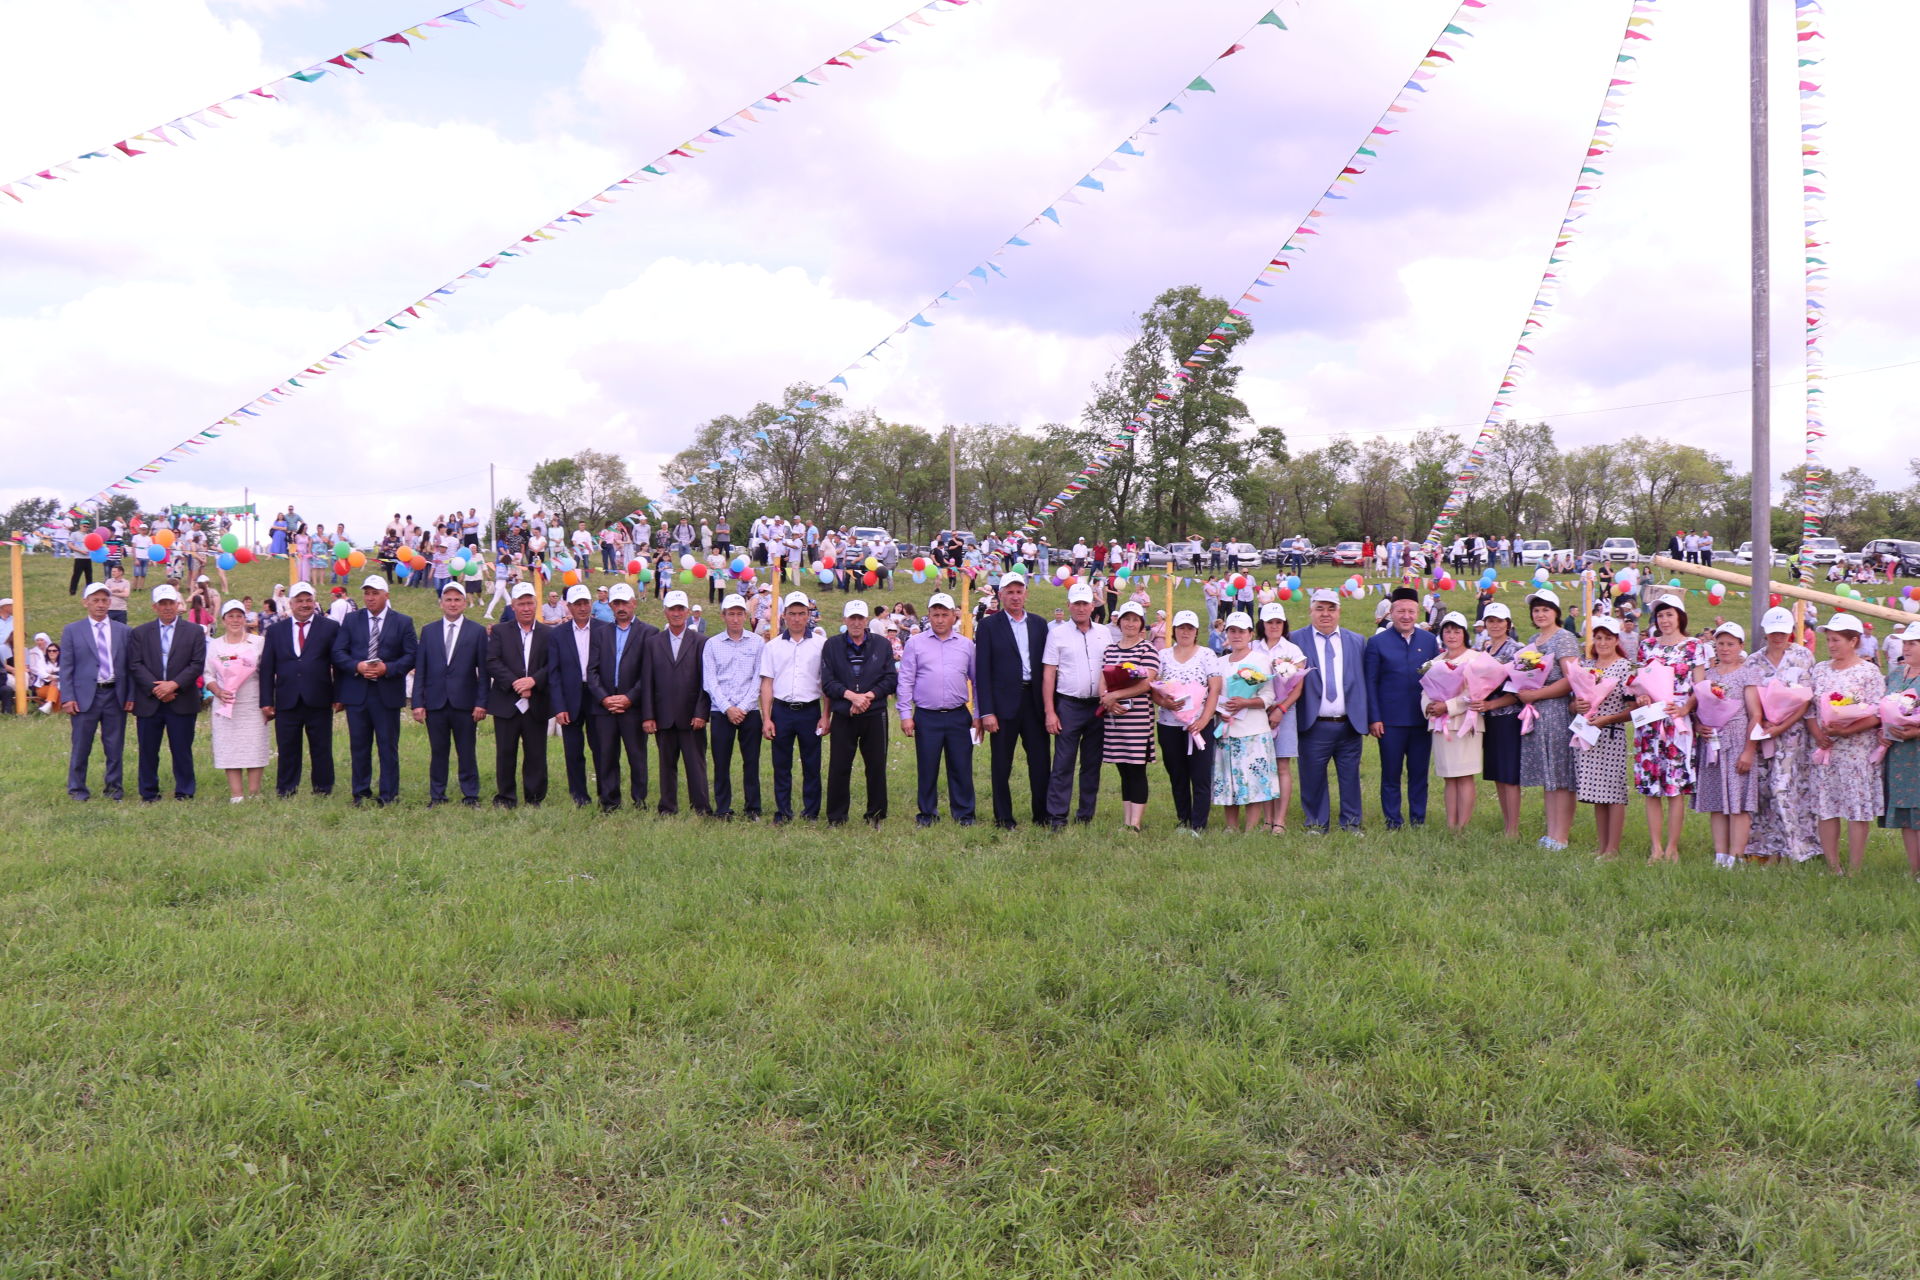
point(1007, 648)
point(372, 654)
point(167, 658)
point(298, 693)
point(1393, 662)
point(96, 685)
point(450, 686)
point(573, 644)
point(1333, 714)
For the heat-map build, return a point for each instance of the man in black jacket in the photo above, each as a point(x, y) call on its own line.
point(298, 691)
point(167, 658)
point(674, 706)
point(520, 656)
point(857, 675)
point(614, 671)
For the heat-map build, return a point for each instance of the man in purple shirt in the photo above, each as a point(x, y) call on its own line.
point(935, 690)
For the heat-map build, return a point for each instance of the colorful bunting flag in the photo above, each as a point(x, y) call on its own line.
point(1814, 493)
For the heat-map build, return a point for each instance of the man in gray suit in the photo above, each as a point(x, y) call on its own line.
point(97, 685)
point(1333, 714)
point(167, 657)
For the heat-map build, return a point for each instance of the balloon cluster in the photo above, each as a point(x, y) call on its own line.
point(1353, 586)
point(1716, 592)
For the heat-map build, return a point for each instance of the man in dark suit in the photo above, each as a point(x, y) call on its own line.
point(572, 658)
point(96, 690)
point(1007, 647)
point(674, 707)
point(450, 694)
point(857, 675)
point(372, 653)
point(520, 662)
point(297, 691)
point(1397, 707)
point(167, 658)
point(1333, 714)
point(615, 665)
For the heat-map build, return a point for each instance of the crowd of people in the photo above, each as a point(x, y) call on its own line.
point(1791, 757)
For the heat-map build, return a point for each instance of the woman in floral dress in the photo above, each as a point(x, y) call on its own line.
point(1602, 768)
point(1546, 754)
point(1286, 726)
point(1785, 826)
point(1727, 772)
point(1847, 787)
point(1663, 750)
point(1244, 778)
point(1902, 809)
point(1500, 717)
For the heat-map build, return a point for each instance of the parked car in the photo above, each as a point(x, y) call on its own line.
point(1242, 555)
point(1180, 553)
point(1620, 551)
point(1907, 550)
point(1533, 551)
point(1823, 551)
point(1272, 555)
point(866, 535)
point(1346, 554)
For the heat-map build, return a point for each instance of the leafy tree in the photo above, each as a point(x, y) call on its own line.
point(29, 514)
point(1669, 486)
point(1515, 474)
point(591, 486)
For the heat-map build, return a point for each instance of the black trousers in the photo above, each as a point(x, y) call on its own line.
point(1189, 776)
point(369, 724)
point(573, 743)
point(451, 727)
point(947, 735)
point(313, 726)
point(82, 574)
point(1023, 729)
point(867, 735)
point(615, 735)
point(794, 726)
point(1082, 734)
point(747, 733)
point(520, 742)
point(688, 746)
point(178, 731)
point(1133, 783)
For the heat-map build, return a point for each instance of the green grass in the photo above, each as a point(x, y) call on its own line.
point(295, 1039)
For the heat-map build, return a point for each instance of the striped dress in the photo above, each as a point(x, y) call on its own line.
point(1129, 735)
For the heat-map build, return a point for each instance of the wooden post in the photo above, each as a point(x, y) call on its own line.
point(20, 632)
point(1170, 604)
point(1586, 609)
point(1792, 590)
point(966, 609)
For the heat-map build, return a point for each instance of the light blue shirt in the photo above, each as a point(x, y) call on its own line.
point(620, 635)
point(731, 674)
point(1020, 642)
point(166, 646)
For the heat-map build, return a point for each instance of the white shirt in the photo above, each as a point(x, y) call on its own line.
point(339, 609)
point(1333, 698)
point(582, 636)
point(526, 662)
point(450, 632)
point(1080, 657)
point(794, 668)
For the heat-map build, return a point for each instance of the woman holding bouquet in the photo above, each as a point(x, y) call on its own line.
point(1129, 711)
point(1902, 809)
point(1728, 786)
point(1785, 826)
point(1288, 665)
point(1244, 778)
point(1846, 788)
point(1601, 769)
point(1500, 721)
point(239, 732)
point(1189, 767)
point(1546, 753)
point(1663, 751)
point(1456, 746)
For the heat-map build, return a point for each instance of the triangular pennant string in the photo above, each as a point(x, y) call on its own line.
point(1814, 494)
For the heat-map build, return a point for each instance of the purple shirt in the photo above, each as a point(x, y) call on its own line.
point(935, 674)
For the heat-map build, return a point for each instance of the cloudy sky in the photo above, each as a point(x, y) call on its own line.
point(149, 298)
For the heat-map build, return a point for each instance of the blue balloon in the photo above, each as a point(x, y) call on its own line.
point(739, 565)
point(98, 555)
point(156, 553)
point(1293, 582)
point(919, 576)
point(226, 560)
point(403, 572)
point(826, 577)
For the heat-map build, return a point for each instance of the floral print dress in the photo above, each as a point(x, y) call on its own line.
point(1785, 826)
point(1546, 754)
point(1663, 751)
point(1902, 808)
point(1848, 785)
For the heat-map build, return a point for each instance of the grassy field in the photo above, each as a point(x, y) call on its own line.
point(295, 1039)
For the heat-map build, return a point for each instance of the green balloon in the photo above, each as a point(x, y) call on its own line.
point(686, 577)
point(341, 550)
point(229, 542)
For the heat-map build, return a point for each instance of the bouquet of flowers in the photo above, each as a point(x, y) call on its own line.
point(1716, 708)
point(1778, 700)
point(1124, 675)
point(1442, 681)
point(1243, 681)
point(1590, 687)
point(233, 672)
point(1897, 711)
point(1287, 675)
point(1528, 670)
point(1841, 711)
point(1191, 700)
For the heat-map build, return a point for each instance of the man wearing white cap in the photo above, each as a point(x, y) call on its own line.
point(1008, 646)
point(1333, 714)
point(298, 693)
point(936, 688)
point(1074, 677)
point(572, 699)
point(793, 709)
point(520, 654)
point(449, 694)
point(674, 706)
point(96, 690)
point(372, 653)
point(857, 677)
point(167, 657)
point(615, 666)
point(730, 669)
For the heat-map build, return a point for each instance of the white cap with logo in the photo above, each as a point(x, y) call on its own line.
point(1777, 621)
point(521, 589)
point(733, 601)
point(1078, 593)
point(940, 600)
point(301, 589)
point(374, 582)
point(674, 598)
point(855, 609)
point(620, 591)
point(1186, 618)
point(165, 592)
point(578, 592)
point(796, 598)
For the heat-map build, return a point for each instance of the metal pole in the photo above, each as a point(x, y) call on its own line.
point(493, 512)
point(1760, 525)
point(20, 632)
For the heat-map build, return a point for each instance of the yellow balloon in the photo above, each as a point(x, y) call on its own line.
point(873, 562)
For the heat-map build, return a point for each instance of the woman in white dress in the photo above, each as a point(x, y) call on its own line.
point(240, 740)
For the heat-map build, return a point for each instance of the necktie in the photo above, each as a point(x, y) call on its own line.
point(103, 651)
point(373, 634)
point(166, 648)
point(300, 641)
point(453, 633)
